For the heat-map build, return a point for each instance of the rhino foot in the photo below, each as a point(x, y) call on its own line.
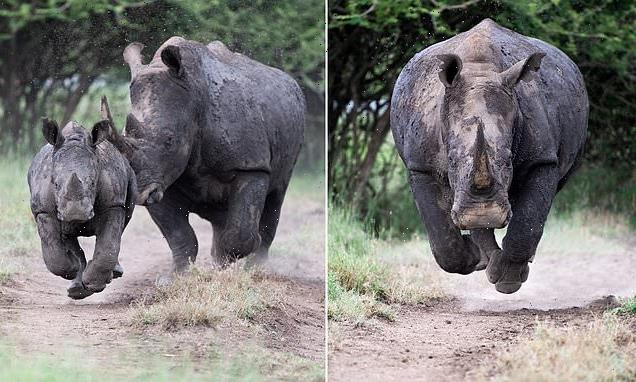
point(507, 275)
point(118, 271)
point(483, 261)
point(96, 279)
point(77, 291)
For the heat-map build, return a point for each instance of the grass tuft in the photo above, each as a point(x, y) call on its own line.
point(205, 298)
point(361, 282)
point(600, 350)
point(627, 307)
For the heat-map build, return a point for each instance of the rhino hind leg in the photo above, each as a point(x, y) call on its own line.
point(240, 235)
point(487, 244)
point(267, 228)
point(172, 220)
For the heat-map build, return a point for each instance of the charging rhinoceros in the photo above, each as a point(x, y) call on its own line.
point(490, 124)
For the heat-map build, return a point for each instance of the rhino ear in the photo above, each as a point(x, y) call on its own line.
point(51, 132)
point(524, 70)
point(171, 57)
point(450, 68)
point(100, 132)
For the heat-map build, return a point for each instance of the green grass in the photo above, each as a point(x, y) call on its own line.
point(599, 189)
point(627, 307)
point(363, 278)
point(18, 233)
point(251, 364)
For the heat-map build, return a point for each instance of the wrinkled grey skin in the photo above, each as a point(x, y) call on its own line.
point(81, 186)
point(214, 133)
point(490, 124)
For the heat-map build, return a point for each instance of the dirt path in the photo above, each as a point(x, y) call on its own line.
point(449, 340)
point(36, 316)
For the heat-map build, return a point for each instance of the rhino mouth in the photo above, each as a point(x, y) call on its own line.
point(476, 213)
point(150, 195)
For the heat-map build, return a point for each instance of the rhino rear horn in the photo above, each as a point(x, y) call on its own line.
point(133, 57)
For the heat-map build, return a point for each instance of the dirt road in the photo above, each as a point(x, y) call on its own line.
point(37, 317)
point(448, 341)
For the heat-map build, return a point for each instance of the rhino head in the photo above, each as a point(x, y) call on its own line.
point(158, 133)
point(479, 111)
point(75, 168)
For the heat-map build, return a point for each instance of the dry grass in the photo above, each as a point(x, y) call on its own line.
point(207, 297)
point(603, 349)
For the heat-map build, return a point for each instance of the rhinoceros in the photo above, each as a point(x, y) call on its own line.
point(490, 124)
point(81, 186)
point(215, 133)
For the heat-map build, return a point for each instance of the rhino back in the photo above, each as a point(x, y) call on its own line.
point(555, 107)
point(254, 115)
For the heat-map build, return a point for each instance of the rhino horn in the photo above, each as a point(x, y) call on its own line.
point(133, 57)
point(481, 167)
point(74, 187)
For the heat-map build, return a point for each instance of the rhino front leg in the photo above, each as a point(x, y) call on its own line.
point(99, 271)
point(508, 269)
point(172, 219)
point(77, 290)
point(240, 236)
point(454, 252)
point(59, 259)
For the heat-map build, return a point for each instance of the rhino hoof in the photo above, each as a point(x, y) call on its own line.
point(507, 287)
point(77, 291)
point(118, 271)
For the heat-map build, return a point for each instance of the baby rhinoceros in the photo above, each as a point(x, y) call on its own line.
point(81, 186)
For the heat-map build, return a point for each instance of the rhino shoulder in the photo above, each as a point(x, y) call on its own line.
point(39, 181)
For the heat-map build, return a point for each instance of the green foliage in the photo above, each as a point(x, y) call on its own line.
point(599, 188)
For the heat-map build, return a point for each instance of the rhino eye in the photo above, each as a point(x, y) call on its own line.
point(168, 142)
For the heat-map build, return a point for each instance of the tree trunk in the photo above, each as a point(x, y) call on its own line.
point(83, 84)
point(373, 148)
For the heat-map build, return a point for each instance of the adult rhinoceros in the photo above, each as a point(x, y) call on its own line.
point(215, 133)
point(490, 124)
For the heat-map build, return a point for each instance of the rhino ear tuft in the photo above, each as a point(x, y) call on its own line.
point(100, 132)
point(51, 132)
point(524, 70)
point(450, 68)
point(171, 57)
